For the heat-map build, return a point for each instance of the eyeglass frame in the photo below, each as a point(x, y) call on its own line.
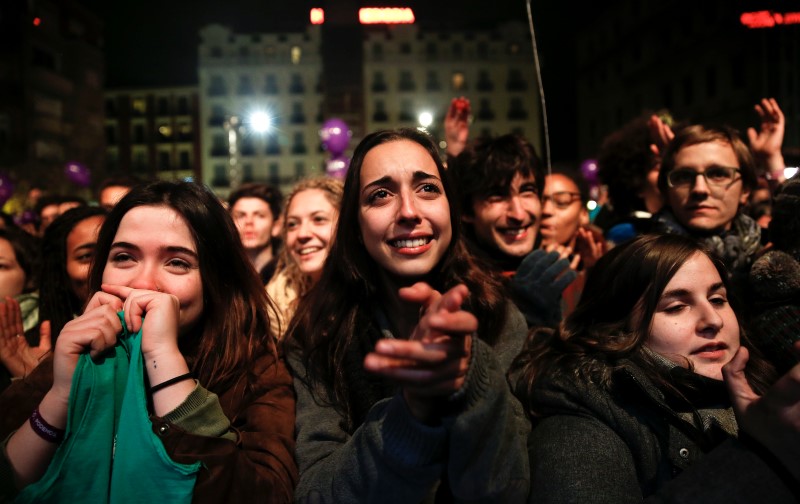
point(575, 197)
point(697, 173)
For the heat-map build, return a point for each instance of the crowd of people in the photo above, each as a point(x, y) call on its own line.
point(456, 329)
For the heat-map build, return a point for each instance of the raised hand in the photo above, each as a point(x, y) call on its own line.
point(766, 143)
point(456, 125)
point(772, 419)
point(16, 354)
point(540, 281)
point(661, 134)
point(589, 247)
point(433, 362)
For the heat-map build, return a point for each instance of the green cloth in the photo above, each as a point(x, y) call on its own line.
point(110, 453)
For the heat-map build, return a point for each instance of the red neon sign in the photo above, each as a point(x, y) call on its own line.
point(317, 16)
point(386, 15)
point(769, 19)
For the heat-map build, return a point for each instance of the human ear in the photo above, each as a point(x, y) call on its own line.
point(277, 227)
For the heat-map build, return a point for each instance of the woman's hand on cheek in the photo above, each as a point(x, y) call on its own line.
point(433, 363)
point(94, 332)
point(161, 313)
point(772, 419)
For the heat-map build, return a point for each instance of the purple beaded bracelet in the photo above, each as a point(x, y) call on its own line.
point(44, 430)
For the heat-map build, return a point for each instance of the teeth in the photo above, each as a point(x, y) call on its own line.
point(514, 231)
point(307, 250)
point(415, 242)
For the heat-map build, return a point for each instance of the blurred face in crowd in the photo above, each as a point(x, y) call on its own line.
point(111, 195)
point(310, 220)
point(701, 204)
point(507, 220)
point(47, 216)
point(81, 243)
point(562, 211)
point(255, 223)
point(694, 321)
point(12, 276)
point(404, 213)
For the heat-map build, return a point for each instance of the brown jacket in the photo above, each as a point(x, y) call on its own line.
point(259, 466)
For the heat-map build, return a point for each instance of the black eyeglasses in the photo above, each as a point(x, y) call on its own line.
point(561, 199)
point(717, 176)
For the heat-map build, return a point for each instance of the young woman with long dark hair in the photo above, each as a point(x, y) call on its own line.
point(220, 400)
point(400, 389)
point(628, 393)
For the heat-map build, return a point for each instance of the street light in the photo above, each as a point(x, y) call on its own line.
point(425, 119)
point(232, 126)
point(260, 121)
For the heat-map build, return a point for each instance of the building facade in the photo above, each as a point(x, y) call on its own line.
point(153, 133)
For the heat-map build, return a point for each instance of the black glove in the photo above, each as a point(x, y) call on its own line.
point(537, 286)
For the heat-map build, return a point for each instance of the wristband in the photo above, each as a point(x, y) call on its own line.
point(170, 382)
point(44, 430)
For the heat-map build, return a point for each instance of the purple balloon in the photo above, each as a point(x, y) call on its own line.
point(337, 166)
point(26, 217)
point(6, 188)
point(78, 174)
point(335, 136)
point(589, 170)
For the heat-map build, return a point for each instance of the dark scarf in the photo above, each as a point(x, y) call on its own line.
point(736, 247)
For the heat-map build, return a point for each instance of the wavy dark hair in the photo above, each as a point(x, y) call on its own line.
point(234, 328)
point(57, 301)
point(334, 323)
point(613, 319)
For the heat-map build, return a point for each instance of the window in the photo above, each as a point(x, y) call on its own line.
point(111, 107)
point(184, 160)
point(406, 81)
point(163, 106)
point(246, 146)
point(184, 132)
point(163, 161)
point(164, 133)
point(431, 50)
point(432, 81)
point(183, 105)
point(299, 169)
point(485, 111)
point(457, 82)
point(111, 135)
point(245, 86)
point(406, 111)
point(458, 50)
point(378, 83)
point(515, 81)
point(219, 145)
point(271, 86)
point(405, 48)
point(139, 106)
point(297, 86)
point(220, 175)
point(296, 54)
point(483, 50)
point(298, 116)
point(299, 146)
point(484, 82)
point(217, 86)
point(217, 116)
point(273, 146)
point(516, 111)
point(377, 51)
point(138, 134)
point(247, 172)
point(380, 114)
point(244, 52)
point(274, 173)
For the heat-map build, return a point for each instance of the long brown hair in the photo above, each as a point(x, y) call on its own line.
point(613, 319)
point(334, 323)
point(234, 328)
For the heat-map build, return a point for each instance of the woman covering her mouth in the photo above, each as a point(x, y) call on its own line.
point(309, 219)
point(628, 393)
point(399, 351)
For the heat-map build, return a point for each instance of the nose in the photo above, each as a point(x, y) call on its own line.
point(304, 231)
point(145, 279)
point(710, 321)
point(547, 206)
point(700, 185)
point(408, 207)
point(515, 209)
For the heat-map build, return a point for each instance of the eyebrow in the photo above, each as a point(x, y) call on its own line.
point(418, 176)
point(170, 248)
point(87, 245)
point(682, 167)
point(677, 293)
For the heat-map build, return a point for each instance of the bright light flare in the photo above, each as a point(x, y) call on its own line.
point(790, 171)
point(317, 16)
point(260, 121)
point(386, 15)
point(425, 119)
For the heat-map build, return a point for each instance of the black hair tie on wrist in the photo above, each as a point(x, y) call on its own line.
point(170, 382)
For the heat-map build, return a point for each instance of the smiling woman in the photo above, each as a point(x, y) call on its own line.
point(220, 405)
point(396, 383)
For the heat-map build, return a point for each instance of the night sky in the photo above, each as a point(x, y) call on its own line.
point(154, 42)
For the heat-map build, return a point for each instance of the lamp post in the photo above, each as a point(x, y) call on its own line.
point(232, 126)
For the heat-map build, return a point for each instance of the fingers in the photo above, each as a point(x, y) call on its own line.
point(45, 337)
point(739, 389)
point(119, 291)
point(752, 135)
point(420, 293)
point(101, 298)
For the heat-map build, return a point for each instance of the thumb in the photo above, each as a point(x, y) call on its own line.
point(45, 337)
point(739, 389)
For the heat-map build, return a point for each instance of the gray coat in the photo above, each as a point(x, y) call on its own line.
point(596, 446)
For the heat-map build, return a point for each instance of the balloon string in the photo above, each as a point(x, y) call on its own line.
point(541, 90)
